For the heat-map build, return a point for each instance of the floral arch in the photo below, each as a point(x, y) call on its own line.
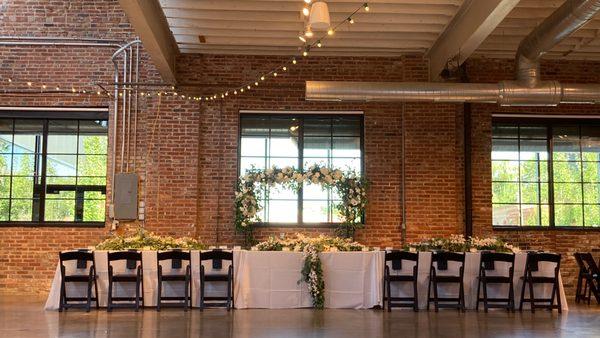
point(351, 187)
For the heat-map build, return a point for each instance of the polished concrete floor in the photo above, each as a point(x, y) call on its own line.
point(26, 318)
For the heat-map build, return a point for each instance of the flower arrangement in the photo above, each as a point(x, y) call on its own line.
point(145, 240)
point(312, 269)
point(351, 188)
point(458, 243)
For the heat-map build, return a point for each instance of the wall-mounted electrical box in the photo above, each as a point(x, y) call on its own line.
point(126, 196)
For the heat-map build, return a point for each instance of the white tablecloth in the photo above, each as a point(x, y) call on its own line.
point(471, 273)
point(150, 268)
point(269, 279)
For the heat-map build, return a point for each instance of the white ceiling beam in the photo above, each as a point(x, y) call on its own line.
point(150, 23)
point(471, 25)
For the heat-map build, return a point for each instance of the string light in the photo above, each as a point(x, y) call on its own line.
point(302, 38)
point(248, 87)
point(351, 20)
point(294, 61)
point(57, 88)
point(309, 33)
point(241, 90)
point(29, 84)
point(9, 80)
point(319, 44)
point(44, 86)
point(330, 31)
point(305, 11)
point(275, 74)
point(256, 84)
point(262, 78)
point(308, 1)
point(73, 90)
point(366, 5)
point(284, 68)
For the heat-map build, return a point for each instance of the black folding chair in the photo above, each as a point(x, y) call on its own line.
point(186, 278)
point(488, 263)
point(529, 280)
point(397, 258)
point(588, 278)
point(134, 262)
point(439, 261)
point(83, 258)
point(216, 256)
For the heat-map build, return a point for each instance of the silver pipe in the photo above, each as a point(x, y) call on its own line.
point(129, 109)
point(565, 20)
point(135, 111)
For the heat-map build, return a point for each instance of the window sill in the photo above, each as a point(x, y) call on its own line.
point(540, 228)
point(53, 224)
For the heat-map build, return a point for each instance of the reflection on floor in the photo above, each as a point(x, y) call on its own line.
point(26, 318)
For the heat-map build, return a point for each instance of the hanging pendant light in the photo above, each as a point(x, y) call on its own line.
point(319, 16)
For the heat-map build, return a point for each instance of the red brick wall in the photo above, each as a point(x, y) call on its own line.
point(187, 152)
point(564, 242)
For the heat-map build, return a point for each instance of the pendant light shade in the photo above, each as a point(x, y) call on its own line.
point(319, 16)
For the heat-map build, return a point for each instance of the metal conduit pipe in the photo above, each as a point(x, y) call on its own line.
point(527, 90)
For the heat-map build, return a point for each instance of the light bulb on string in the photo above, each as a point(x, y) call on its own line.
point(275, 74)
point(301, 38)
point(284, 68)
point(226, 93)
point(262, 78)
point(366, 6)
point(319, 44)
point(174, 93)
point(308, 33)
point(305, 53)
point(249, 87)
point(235, 92)
point(351, 20)
point(307, 1)
point(305, 11)
point(57, 88)
point(330, 31)
point(44, 86)
point(241, 90)
point(9, 80)
point(29, 84)
point(256, 83)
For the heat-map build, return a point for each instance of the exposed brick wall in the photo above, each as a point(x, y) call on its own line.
point(187, 152)
point(564, 242)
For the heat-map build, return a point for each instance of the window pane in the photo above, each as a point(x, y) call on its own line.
point(591, 193)
point(284, 127)
point(4, 209)
point(346, 147)
point(91, 165)
point(529, 171)
point(62, 137)
point(534, 150)
point(24, 165)
point(322, 161)
point(545, 215)
point(6, 134)
point(566, 143)
point(530, 214)
point(317, 146)
point(247, 163)
point(283, 211)
point(21, 210)
point(52, 180)
point(505, 170)
point(505, 192)
point(567, 193)
point(314, 192)
point(53, 193)
point(255, 126)
point(505, 214)
point(4, 186)
point(60, 210)
point(567, 171)
point(592, 215)
point(505, 149)
point(94, 210)
point(28, 136)
point(93, 144)
point(317, 127)
point(253, 146)
point(91, 180)
point(505, 131)
point(278, 193)
point(568, 215)
point(61, 165)
point(590, 143)
point(315, 211)
point(346, 127)
point(281, 162)
point(5, 164)
point(347, 164)
point(530, 193)
point(284, 147)
point(591, 171)
point(22, 187)
point(539, 132)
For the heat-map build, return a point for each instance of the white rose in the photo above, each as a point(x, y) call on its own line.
point(324, 171)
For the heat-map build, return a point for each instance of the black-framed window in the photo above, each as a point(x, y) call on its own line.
point(546, 173)
point(300, 141)
point(53, 170)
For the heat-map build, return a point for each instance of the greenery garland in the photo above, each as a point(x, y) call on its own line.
point(351, 187)
point(458, 243)
point(145, 240)
point(312, 268)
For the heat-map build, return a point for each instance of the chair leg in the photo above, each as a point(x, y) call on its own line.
point(229, 294)
point(531, 296)
point(89, 296)
point(159, 294)
point(578, 289)
point(201, 293)
point(461, 296)
point(511, 296)
point(485, 297)
point(137, 294)
point(185, 296)
point(435, 296)
point(96, 293)
point(389, 294)
point(429, 293)
point(416, 296)
point(558, 299)
point(109, 303)
point(62, 296)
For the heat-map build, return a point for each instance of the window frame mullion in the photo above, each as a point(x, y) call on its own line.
point(550, 145)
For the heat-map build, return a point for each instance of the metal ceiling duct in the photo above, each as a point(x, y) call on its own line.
point(527, 90)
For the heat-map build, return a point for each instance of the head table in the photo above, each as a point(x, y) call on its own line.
point(269, 279)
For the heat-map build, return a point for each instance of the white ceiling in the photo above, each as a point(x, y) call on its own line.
point(391, 28)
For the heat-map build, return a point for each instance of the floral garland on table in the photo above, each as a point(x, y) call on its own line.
point(351, 187)
point(312, 268)
point(458, 243)
point(145, 240)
